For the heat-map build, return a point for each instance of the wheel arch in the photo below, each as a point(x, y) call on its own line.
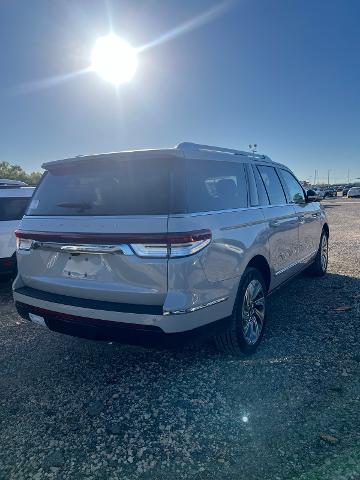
point(260, 263)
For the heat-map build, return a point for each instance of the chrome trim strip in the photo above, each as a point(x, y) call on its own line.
point(86, 248)
point(173, 215)
point(231, 210)
point(242, 225)
point(283, 270)
point(194, 309)
point(279, 220)
point(84, 218)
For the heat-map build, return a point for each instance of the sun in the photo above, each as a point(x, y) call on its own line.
point(113, 59)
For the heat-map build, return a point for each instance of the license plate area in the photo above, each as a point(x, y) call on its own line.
point(82, 266)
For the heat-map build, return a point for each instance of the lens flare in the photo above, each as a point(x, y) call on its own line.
point(114, 60)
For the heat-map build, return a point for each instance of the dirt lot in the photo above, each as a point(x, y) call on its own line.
point(74, 409)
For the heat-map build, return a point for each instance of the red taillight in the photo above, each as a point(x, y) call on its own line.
point(188, 243)
point(8, 263)
point(174, 245)
point(153, 245)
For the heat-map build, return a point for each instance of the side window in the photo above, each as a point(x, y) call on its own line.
point(253, 192)
point(263, 197)
point(296, 193)
point(272, 184)
point(213, 185)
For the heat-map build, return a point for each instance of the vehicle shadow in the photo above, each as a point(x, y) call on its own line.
point(312, 311)
point(299, 306)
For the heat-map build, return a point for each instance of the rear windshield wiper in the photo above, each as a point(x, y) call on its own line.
point(82, 206)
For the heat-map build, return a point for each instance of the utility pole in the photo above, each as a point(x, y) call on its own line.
point(315, 177)
point(329, 178)
point(348, 175)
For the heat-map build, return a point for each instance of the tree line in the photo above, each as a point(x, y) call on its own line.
point(15, 172)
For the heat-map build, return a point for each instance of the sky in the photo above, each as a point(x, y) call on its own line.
point(284, 74)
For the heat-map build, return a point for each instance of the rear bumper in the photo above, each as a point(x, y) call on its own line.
point(118, 322)
point(126, 333)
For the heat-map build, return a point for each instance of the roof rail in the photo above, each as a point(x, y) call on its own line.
point(211, 148)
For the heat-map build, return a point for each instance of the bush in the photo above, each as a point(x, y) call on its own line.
point(15, 172)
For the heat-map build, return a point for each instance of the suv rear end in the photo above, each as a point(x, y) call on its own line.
point(164, 245)
point(107, 251)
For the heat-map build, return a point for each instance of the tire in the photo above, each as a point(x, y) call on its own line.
point(242, 336)
point(319, 267)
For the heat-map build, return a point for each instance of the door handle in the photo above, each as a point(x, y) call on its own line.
point(315, 215)
point(301, 218)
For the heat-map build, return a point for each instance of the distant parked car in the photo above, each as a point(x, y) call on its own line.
point(14, 198)
point(354, 192)
point(320, 193)
point(345, 190)
point(330, 192)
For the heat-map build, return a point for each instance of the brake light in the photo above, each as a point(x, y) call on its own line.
point(174, 245)
point(8, 263)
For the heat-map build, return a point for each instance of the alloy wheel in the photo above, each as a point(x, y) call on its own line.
point(324, 252)
point(253, 312)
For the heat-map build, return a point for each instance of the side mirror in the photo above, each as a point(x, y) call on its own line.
point(311, 196)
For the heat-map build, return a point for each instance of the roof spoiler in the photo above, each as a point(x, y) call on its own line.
point(188, 146)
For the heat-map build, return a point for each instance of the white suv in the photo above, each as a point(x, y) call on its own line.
point(14, 198)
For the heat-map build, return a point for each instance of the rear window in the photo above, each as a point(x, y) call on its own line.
point(137, 187)
point(141, 187)
point(12, 208)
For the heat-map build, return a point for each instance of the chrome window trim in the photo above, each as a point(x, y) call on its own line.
point(171, 215)
point(92, 217)
point(230, 210)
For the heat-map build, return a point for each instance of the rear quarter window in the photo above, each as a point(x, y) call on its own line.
point(272, 184)
point(213, 185)
point(263, 196)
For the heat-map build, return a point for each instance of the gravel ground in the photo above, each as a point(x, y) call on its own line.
point(74, 409)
